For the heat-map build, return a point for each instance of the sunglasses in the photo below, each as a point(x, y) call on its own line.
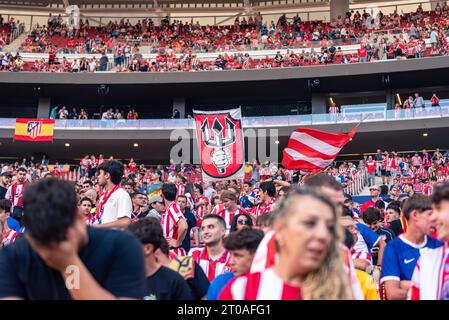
point(242, 221)
point(373, 189)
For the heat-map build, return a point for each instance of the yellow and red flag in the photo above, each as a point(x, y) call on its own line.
point(34, 129)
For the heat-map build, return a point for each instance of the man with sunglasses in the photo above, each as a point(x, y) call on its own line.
point(140, 206)
point(375, 195)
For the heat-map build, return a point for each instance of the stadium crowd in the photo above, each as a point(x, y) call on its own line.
point(277, 234)
point(383, 37)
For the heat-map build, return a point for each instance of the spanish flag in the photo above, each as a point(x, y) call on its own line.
point(34, 129)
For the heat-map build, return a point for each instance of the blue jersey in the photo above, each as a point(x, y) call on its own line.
point(218, 284)
point(401, 256)
point(371, 238)
point(13, 224)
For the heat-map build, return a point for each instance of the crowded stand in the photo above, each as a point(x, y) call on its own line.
point(328, 222)
point(228, 231)
point(178, 47)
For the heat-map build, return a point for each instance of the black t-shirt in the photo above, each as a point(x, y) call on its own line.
point(396, 227)
point(199, 284)
point(191, 223)
point(3, 191)
point(167, 284)
point(113, 257)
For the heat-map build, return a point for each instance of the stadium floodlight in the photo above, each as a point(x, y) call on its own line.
point(136, 145)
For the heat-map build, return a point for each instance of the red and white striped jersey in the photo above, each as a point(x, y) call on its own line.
point(181, 188)
point(229, 216)
point(430, 280)
point(172, 215)
point(15, 193)
point(217, 209)
point(361, 255)
point(180, 252)
point(200, 210)
point(262, 209)
point(265, 285)
point(334, 110)
point(212, 268)
point(9, 237)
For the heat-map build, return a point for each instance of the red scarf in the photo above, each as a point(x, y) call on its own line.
point(102, 203)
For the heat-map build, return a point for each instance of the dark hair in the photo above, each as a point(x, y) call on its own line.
point(441, 193)
point(50, 208)
point(246, 239)
point(86, 199)
point(384, 189)
point(89, 182)
point(169, 191)
point(371, 215)
point(418, 203)
point(249, 183)
point(22, 169)
point(114, 168)
point(322, 180)
point(5, 205)
point(349, 239)
point(236, 217)
point(148, 231)
point(181, 196)
point(216, 217)
point(268, 187)
point(199, 187)
point(347, 212)
point(395, 205)
point(164, 247)
point(380, 204)
point(135, 194)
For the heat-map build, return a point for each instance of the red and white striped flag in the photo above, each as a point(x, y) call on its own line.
point(312, 150)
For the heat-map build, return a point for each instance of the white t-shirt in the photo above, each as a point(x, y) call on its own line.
point(119, 205)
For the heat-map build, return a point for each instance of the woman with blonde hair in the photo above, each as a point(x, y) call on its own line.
point(310, 262)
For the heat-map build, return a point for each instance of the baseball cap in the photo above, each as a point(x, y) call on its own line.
point(5, 174)
point(154, 199)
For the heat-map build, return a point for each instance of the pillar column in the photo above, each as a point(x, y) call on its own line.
point(180, 104)
point(389, 95)
point(339, 8)
point(43, 107)
point(319, 103)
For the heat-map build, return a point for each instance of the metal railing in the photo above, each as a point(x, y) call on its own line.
point(252, 122)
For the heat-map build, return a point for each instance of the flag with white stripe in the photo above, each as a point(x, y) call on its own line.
point(313, 150)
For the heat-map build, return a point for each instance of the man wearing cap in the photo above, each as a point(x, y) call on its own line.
point(5, 180)
point(157, 206)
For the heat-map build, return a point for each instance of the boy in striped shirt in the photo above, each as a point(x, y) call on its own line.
point(173, 222)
